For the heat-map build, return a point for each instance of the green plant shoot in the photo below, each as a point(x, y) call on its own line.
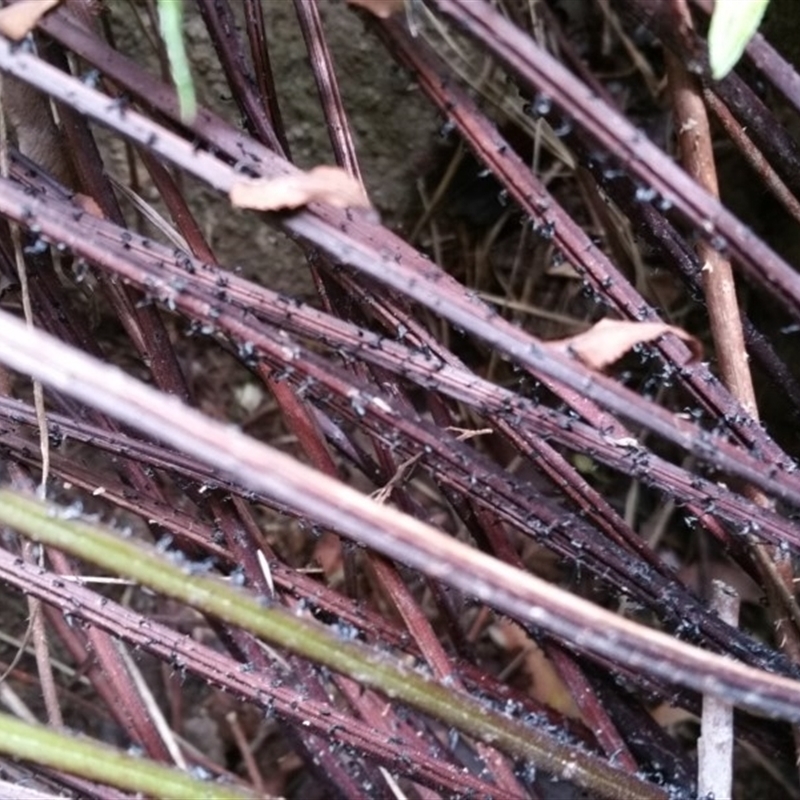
point(733, 24)
point(170, 17)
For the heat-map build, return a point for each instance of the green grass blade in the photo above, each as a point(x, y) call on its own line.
point(170, 19)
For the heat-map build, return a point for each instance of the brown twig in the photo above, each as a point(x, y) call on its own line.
point(752, 155)
point(694, 137)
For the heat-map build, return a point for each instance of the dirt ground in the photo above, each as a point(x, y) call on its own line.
point(394, 125)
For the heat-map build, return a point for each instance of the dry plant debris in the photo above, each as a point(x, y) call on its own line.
point(416, 536)
point(380, 8)
point(609, 340)
point(330, 185)
point(17, 21)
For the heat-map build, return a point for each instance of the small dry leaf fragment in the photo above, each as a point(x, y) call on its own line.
point(17, 21)
point(89, 205)
point(380, 8)
point(609, 340)
point(330, 185)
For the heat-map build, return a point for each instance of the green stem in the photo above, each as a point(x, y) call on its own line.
point(98, 762)
point(276, 625)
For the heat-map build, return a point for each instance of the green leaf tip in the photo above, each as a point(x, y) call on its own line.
point(733, 24)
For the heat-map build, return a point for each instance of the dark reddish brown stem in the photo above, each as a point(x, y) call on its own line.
point(752, 154)
point(265, 79)
point(327, 85)
point(540, 73)
point(221, 25)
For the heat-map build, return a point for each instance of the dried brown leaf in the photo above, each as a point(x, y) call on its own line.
point(609, 340)
point(330, 185)
point(380, 8)
point(89, 205)
point(17, 21)
point(667, 715)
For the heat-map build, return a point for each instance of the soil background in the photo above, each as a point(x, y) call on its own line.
point(394, 125)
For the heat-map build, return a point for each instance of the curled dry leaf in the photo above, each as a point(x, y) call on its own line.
point(89, 205)
point(17, 21)
point(330, 185)
point(380, 8)
point(609, 340)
